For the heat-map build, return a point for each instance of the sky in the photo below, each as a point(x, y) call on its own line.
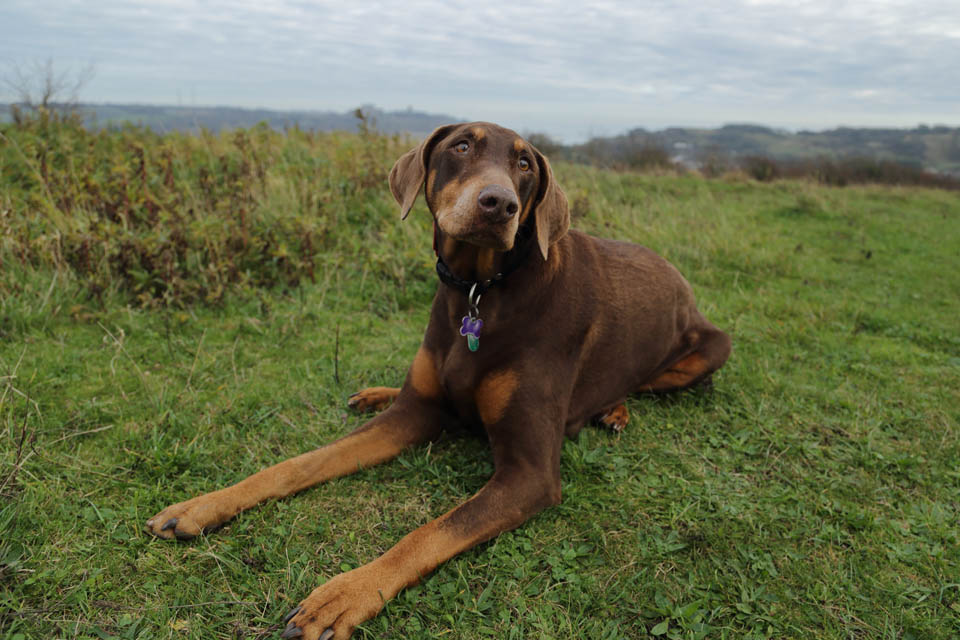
point(568, 69)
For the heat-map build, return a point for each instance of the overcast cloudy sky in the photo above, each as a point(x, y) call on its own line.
point(566, 68)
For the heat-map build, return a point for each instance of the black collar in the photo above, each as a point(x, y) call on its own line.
point(514, 258)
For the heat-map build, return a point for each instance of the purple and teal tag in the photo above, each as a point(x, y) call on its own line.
point(470, 327)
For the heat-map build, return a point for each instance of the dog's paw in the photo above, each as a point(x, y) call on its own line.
point(372, 398)
point(189, 519)
point(616, 418)
point(333, 610)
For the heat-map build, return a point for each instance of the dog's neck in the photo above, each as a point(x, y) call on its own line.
point(460, 264)
point(468, 261)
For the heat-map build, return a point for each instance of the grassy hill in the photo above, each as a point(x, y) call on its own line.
point(177, 312)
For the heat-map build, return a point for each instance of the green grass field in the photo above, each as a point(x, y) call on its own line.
point(814, 493)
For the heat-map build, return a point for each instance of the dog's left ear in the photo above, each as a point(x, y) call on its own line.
point(552, 214)
point(409, 172)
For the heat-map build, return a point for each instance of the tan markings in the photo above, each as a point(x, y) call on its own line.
point(426, 548)
point(616, 418)
point(473, 185)
point(527, 208)
point(350, 598)
point(449, 246)
point(373, 398)
point(461, 194)
point(519, 145)
point(456, 205)
point(457, 214)
point(478, 133)
point(448, 196)
point(485, 258)
point(468, 260)
point(423, 375)
point(431, 180)
point(493, 395)
point(679, 375)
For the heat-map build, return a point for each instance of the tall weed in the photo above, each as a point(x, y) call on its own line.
point(173, 219)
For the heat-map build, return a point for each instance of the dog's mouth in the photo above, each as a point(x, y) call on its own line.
point(486, 217)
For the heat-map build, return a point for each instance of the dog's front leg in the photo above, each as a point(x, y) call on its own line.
point(404, 424)
point(526, 480)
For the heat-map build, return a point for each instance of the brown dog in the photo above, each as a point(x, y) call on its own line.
point(568, 326)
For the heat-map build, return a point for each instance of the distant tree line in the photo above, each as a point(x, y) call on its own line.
point(714, 153)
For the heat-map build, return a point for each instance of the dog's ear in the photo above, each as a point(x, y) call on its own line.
point(409, 172)
point(552, 214)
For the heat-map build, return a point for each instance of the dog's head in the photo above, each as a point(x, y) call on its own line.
point(482, 183)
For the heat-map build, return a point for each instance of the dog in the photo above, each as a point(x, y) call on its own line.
point(535, 330)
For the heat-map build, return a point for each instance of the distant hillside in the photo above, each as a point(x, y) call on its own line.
point(931, 148)
point(173, 118)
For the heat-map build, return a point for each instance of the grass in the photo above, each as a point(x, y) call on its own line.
point(812, 494)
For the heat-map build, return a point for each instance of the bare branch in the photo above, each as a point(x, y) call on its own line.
point(40, 85)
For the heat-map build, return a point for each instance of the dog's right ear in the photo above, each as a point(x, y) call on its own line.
point(409, 172)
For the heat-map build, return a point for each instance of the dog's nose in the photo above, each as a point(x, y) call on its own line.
point(498, 202)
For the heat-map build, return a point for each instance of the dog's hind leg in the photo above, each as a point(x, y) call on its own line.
point(709, 349)
point(615, 418)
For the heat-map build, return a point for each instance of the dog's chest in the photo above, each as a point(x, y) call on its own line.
point(460, 376)
point(462, 370)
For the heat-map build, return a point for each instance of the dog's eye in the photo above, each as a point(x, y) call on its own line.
point(462, 147)
point(524, 164)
